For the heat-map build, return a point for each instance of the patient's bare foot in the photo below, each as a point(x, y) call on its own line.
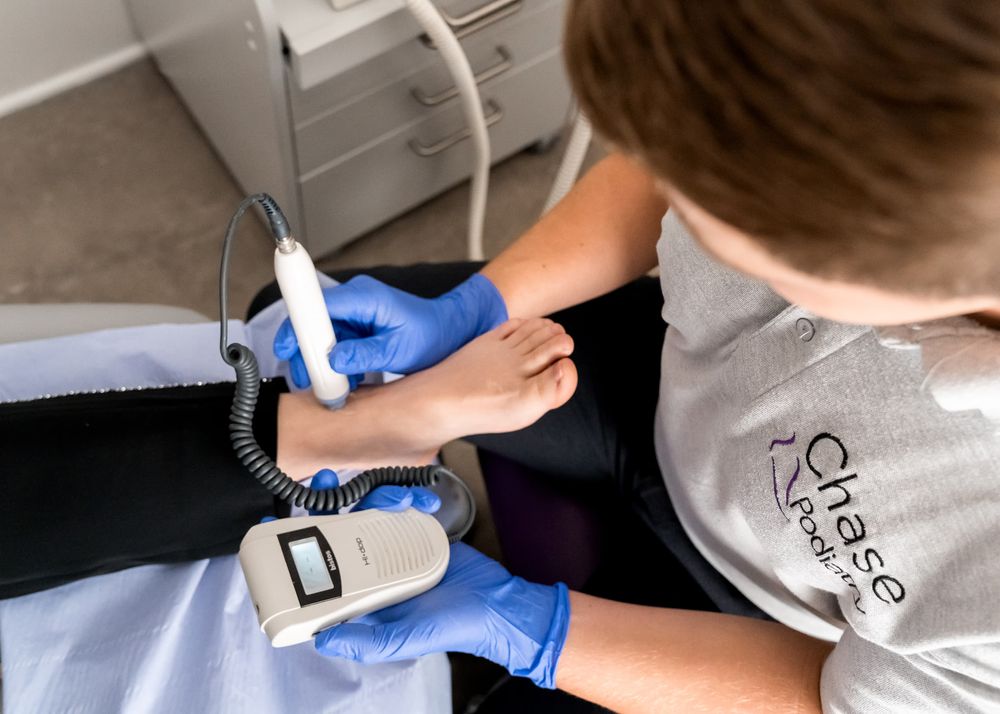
point(502, 381)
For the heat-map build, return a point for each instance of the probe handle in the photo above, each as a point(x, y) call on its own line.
point(313, 328)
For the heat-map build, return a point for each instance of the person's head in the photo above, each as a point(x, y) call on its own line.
point(846, 152)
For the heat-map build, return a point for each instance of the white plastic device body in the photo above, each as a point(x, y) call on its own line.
point(303, 296)
point(308, 574)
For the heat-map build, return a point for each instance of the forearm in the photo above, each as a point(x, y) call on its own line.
point(641, 659)
point(599, 237)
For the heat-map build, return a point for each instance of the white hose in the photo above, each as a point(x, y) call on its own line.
point(569, 169)
point(458, 65)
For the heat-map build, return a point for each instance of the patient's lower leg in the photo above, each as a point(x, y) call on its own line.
point(502, 381)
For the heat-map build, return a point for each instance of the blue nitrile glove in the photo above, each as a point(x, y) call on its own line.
point(284, 339)
point(381, 328)
point(478, 608)
point(384, 498)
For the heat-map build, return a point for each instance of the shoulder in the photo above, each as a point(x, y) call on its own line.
point(709, 303)
point(960, 360)
point(860, 676)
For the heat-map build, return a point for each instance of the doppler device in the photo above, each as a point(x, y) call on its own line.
point(308, 574)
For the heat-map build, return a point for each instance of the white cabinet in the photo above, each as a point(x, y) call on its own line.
point(348, 117)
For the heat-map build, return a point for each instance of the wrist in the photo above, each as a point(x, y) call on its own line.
point(477, 305)
point(540, 634)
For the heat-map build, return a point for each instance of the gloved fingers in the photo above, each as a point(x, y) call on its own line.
point(347, 331)
point(425, 500)
point(285, 343)
point(393, 614)
point(300, 375)
point(371, 643)
point(399, 498)
point(298, 372)
point(286, 347)
point(356, 301)
point(384, 498)
point(323, 480)
point(464, 559)
point(370, 354)
point(387, 498)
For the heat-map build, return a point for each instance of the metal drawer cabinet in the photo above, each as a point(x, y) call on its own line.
point(387, 62)
point(322, 46)
point(322, 107)
point(382, 109)
point(350, 196)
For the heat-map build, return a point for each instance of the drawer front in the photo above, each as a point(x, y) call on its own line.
point(420, 95)
point(370, 187)
point(412, 56)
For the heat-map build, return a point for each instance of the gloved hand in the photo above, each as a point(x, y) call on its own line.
point(478, 608)
point(384, 498)
point(381, 328)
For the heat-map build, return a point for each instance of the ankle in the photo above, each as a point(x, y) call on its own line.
point(412, 416)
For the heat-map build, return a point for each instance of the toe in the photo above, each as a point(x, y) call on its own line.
point(526, 329)
point(556, 384)
point(509, 328)
point(566, 380)
point(535, 333)
point(553, 348)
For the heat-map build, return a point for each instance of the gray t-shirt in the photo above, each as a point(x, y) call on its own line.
point(845, 478)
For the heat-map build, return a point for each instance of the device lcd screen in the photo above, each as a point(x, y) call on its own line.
point(310, 564)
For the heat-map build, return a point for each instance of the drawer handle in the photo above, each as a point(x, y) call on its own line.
point(497, 8)
point(432, 100)
point(495, 115)
point(478, 19)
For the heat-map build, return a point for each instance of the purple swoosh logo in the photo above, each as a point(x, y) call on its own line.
point(791, 481)
point(774, 474)
point(774, 481)
point(782, 442)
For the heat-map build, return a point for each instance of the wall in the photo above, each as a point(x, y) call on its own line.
point(49, 46)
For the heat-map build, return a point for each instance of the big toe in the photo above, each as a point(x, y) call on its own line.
point(556, 384)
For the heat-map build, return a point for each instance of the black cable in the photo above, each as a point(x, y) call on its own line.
point(241, 358)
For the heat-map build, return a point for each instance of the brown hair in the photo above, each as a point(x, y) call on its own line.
point(858, 140)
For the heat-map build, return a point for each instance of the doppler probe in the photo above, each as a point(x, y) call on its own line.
point(303, 296)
